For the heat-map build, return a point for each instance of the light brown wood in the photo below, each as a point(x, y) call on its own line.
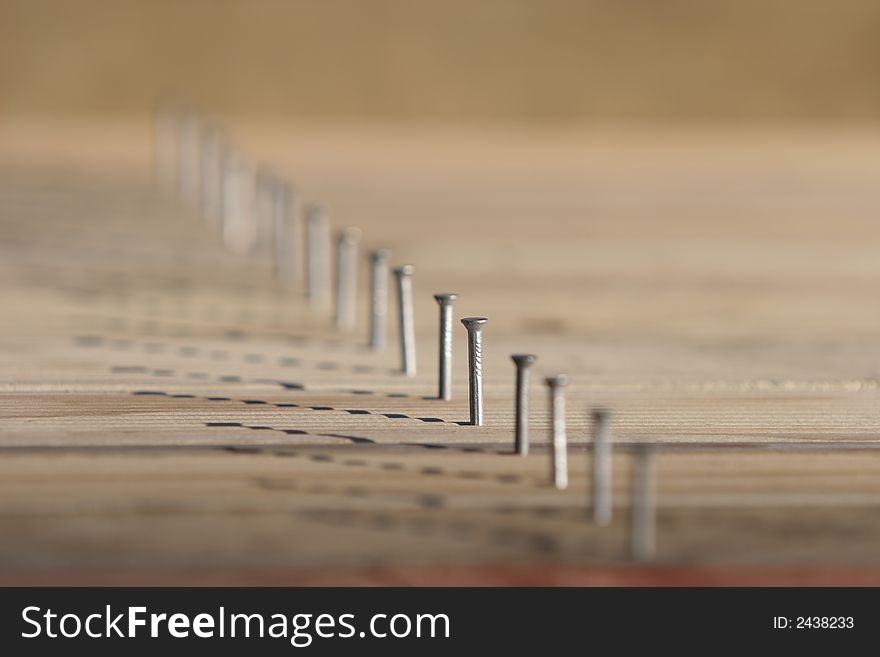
point(165, 408)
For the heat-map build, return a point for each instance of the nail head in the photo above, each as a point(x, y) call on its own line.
point(350, 235)
point(473, 322)
point(523, 359)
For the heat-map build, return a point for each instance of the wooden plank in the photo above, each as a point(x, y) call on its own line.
point(166, 410)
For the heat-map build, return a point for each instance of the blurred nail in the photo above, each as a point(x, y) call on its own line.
point(318, 227)
point(287, 235)
point(379, 298)
point(346, 277)
point(523, 364)
point(644, 512)
point(602, 502)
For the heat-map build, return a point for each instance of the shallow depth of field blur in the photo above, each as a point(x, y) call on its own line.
point(634, 128)
point(569, 60)
point(674, 202)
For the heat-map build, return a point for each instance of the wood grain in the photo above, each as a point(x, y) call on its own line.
point(170, 415)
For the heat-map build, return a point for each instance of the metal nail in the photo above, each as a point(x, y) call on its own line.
point(229, 197)
point(346, 277)
point(602, 507)
point(446, 302)
point(407, 320)
point(379, 298)
point(287, 235)
point(523, 364)
point(318, 226)
point(266, 183)
point(643, 530)
point(238, 226)
point(212, 172)
point(558, 446)
point(474, 326)
point(165, 148)
point(189, 158)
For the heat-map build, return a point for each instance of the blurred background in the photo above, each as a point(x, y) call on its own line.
point(696, 168)
point(456, 59)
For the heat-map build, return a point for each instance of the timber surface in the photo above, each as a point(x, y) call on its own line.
point(170, 415)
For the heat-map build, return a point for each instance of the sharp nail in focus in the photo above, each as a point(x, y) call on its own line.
point(474, 326)
point(445, 301)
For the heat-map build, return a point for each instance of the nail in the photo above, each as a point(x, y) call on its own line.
point(643, 539)
point(212, 172)
point(165, 147)
point(379, 298)
point(318, 226)
point(474, 326)
point(445, 370)
point(602, 466)
point(265, 182)
point(228, 193)
point(523, 364)
point(188, 171)
point(558, 456)
point(407, 321)
point(238, 186)
point(346, 277)
point(287, 233)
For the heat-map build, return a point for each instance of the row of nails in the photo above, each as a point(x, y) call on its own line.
point(214, 175)
point(251, 202)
